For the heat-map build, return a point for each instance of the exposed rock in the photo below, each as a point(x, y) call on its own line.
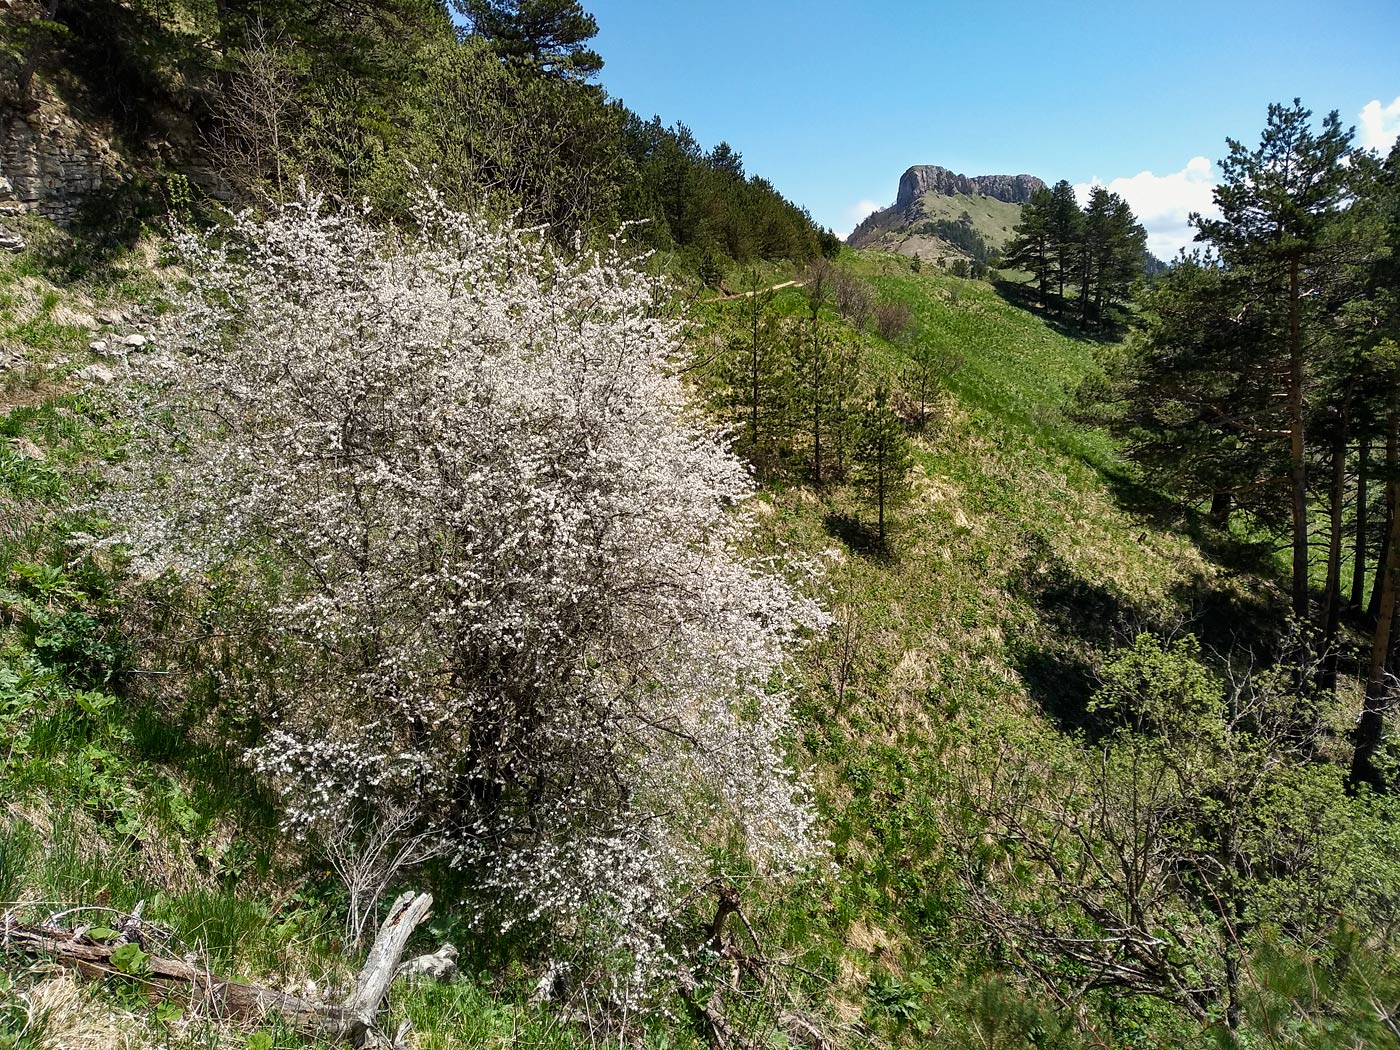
point(111, 317)
point(931, 178)
point(135, 339)
point(96, 374)
point(53, 162)
point(11, 241)
point(26, 449)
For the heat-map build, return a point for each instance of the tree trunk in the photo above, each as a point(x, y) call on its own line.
point(35, 53)
point(1044, 277)
point(1369, 728)
point(1221, 504)
point(1373, 603)
point(880, 497)
point(753, 370)
point(1358, 561)
point(1332, 596)
point(1298, 470)
point(1084, 286)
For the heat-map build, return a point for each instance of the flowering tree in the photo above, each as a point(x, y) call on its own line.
point(505, 554)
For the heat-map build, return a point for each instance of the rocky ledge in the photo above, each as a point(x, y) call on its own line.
point(930, 178)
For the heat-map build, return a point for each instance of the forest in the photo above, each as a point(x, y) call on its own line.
point(480, 568)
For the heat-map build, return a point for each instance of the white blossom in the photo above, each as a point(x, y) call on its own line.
point(506, 553)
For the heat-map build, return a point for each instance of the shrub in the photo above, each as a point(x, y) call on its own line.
point(852, 298)
point(500, 555)
point(891, 320)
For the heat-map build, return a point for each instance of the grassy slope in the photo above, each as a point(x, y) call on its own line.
point(992, 218)
point(1013, 568)
point(1012, 565)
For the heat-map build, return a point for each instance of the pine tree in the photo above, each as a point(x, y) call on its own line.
point(550, 34)
point(757, 370)
point(1276, 202)
point(1030, 247)
point(1064, 233)
point(1190, 403)
point(883, 459)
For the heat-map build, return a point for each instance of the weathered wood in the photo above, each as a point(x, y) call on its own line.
point(383, 961)
point(352, 1021)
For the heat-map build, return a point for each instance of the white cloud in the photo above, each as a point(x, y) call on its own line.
point(855, 213)
point(1380, 125)
point(1162, 203)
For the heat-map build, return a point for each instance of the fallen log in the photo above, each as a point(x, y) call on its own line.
point(352, 1021)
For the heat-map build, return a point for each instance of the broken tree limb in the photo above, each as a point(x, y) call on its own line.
point(352, 1021)
point(383, 962)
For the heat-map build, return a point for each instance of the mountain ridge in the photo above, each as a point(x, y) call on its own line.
point(920, 179)
point(942, 214)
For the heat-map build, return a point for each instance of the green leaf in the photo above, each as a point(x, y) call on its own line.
point(260, 1041)
point(130, 959)
point(168, 1013)
point(93, 703)
point(102, 933)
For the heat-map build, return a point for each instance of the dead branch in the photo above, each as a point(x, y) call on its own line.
point(352, 1022)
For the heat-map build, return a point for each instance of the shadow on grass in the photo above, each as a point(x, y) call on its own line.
point(1027, 297)
point(1077, 618)
point(1238, 554)
point(858, 537)
point(93, 249)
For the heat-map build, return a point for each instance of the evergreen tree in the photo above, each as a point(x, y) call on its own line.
point(1030, 247)
point(1189, 403)
point(1112, 247)
point(1121, 264)
point(1064, 234)
point(883, 460)
point(758, 375)
point(1276, 202)
point(552, 35)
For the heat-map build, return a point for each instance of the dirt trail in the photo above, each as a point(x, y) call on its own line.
point(762, 291)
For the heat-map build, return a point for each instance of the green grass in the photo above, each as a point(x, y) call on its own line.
point(993, 219)
point(1013, 567)
point(1017, 564)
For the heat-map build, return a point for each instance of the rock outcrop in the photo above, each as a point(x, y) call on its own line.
point(931, 178)
point(50, 163)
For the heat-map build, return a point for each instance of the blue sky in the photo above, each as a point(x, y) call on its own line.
point(832, 101)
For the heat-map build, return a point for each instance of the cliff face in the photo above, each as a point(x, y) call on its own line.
point(931, 178)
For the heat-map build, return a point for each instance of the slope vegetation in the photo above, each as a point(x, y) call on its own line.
point(1016, 566)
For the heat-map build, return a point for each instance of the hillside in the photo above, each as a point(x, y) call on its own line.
point(936, 209)
point(957, 677)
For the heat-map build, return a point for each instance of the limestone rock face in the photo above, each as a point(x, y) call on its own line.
point(931, 178)
point(50, 162)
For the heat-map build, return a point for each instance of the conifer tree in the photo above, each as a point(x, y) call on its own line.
point(552, 35)
point(1065, 230)
point(883, 459)
point(1030, 248)
point(758, 370)
point(1276, 202)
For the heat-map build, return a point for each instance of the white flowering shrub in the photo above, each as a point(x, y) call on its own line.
point(506, 554)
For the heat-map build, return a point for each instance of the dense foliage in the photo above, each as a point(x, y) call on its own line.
point(349, 98)
point(1098, 252)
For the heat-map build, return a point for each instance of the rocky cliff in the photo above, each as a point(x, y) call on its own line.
point(51, 162)
point(931, 178)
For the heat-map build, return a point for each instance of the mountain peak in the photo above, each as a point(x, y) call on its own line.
point(933, 178)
